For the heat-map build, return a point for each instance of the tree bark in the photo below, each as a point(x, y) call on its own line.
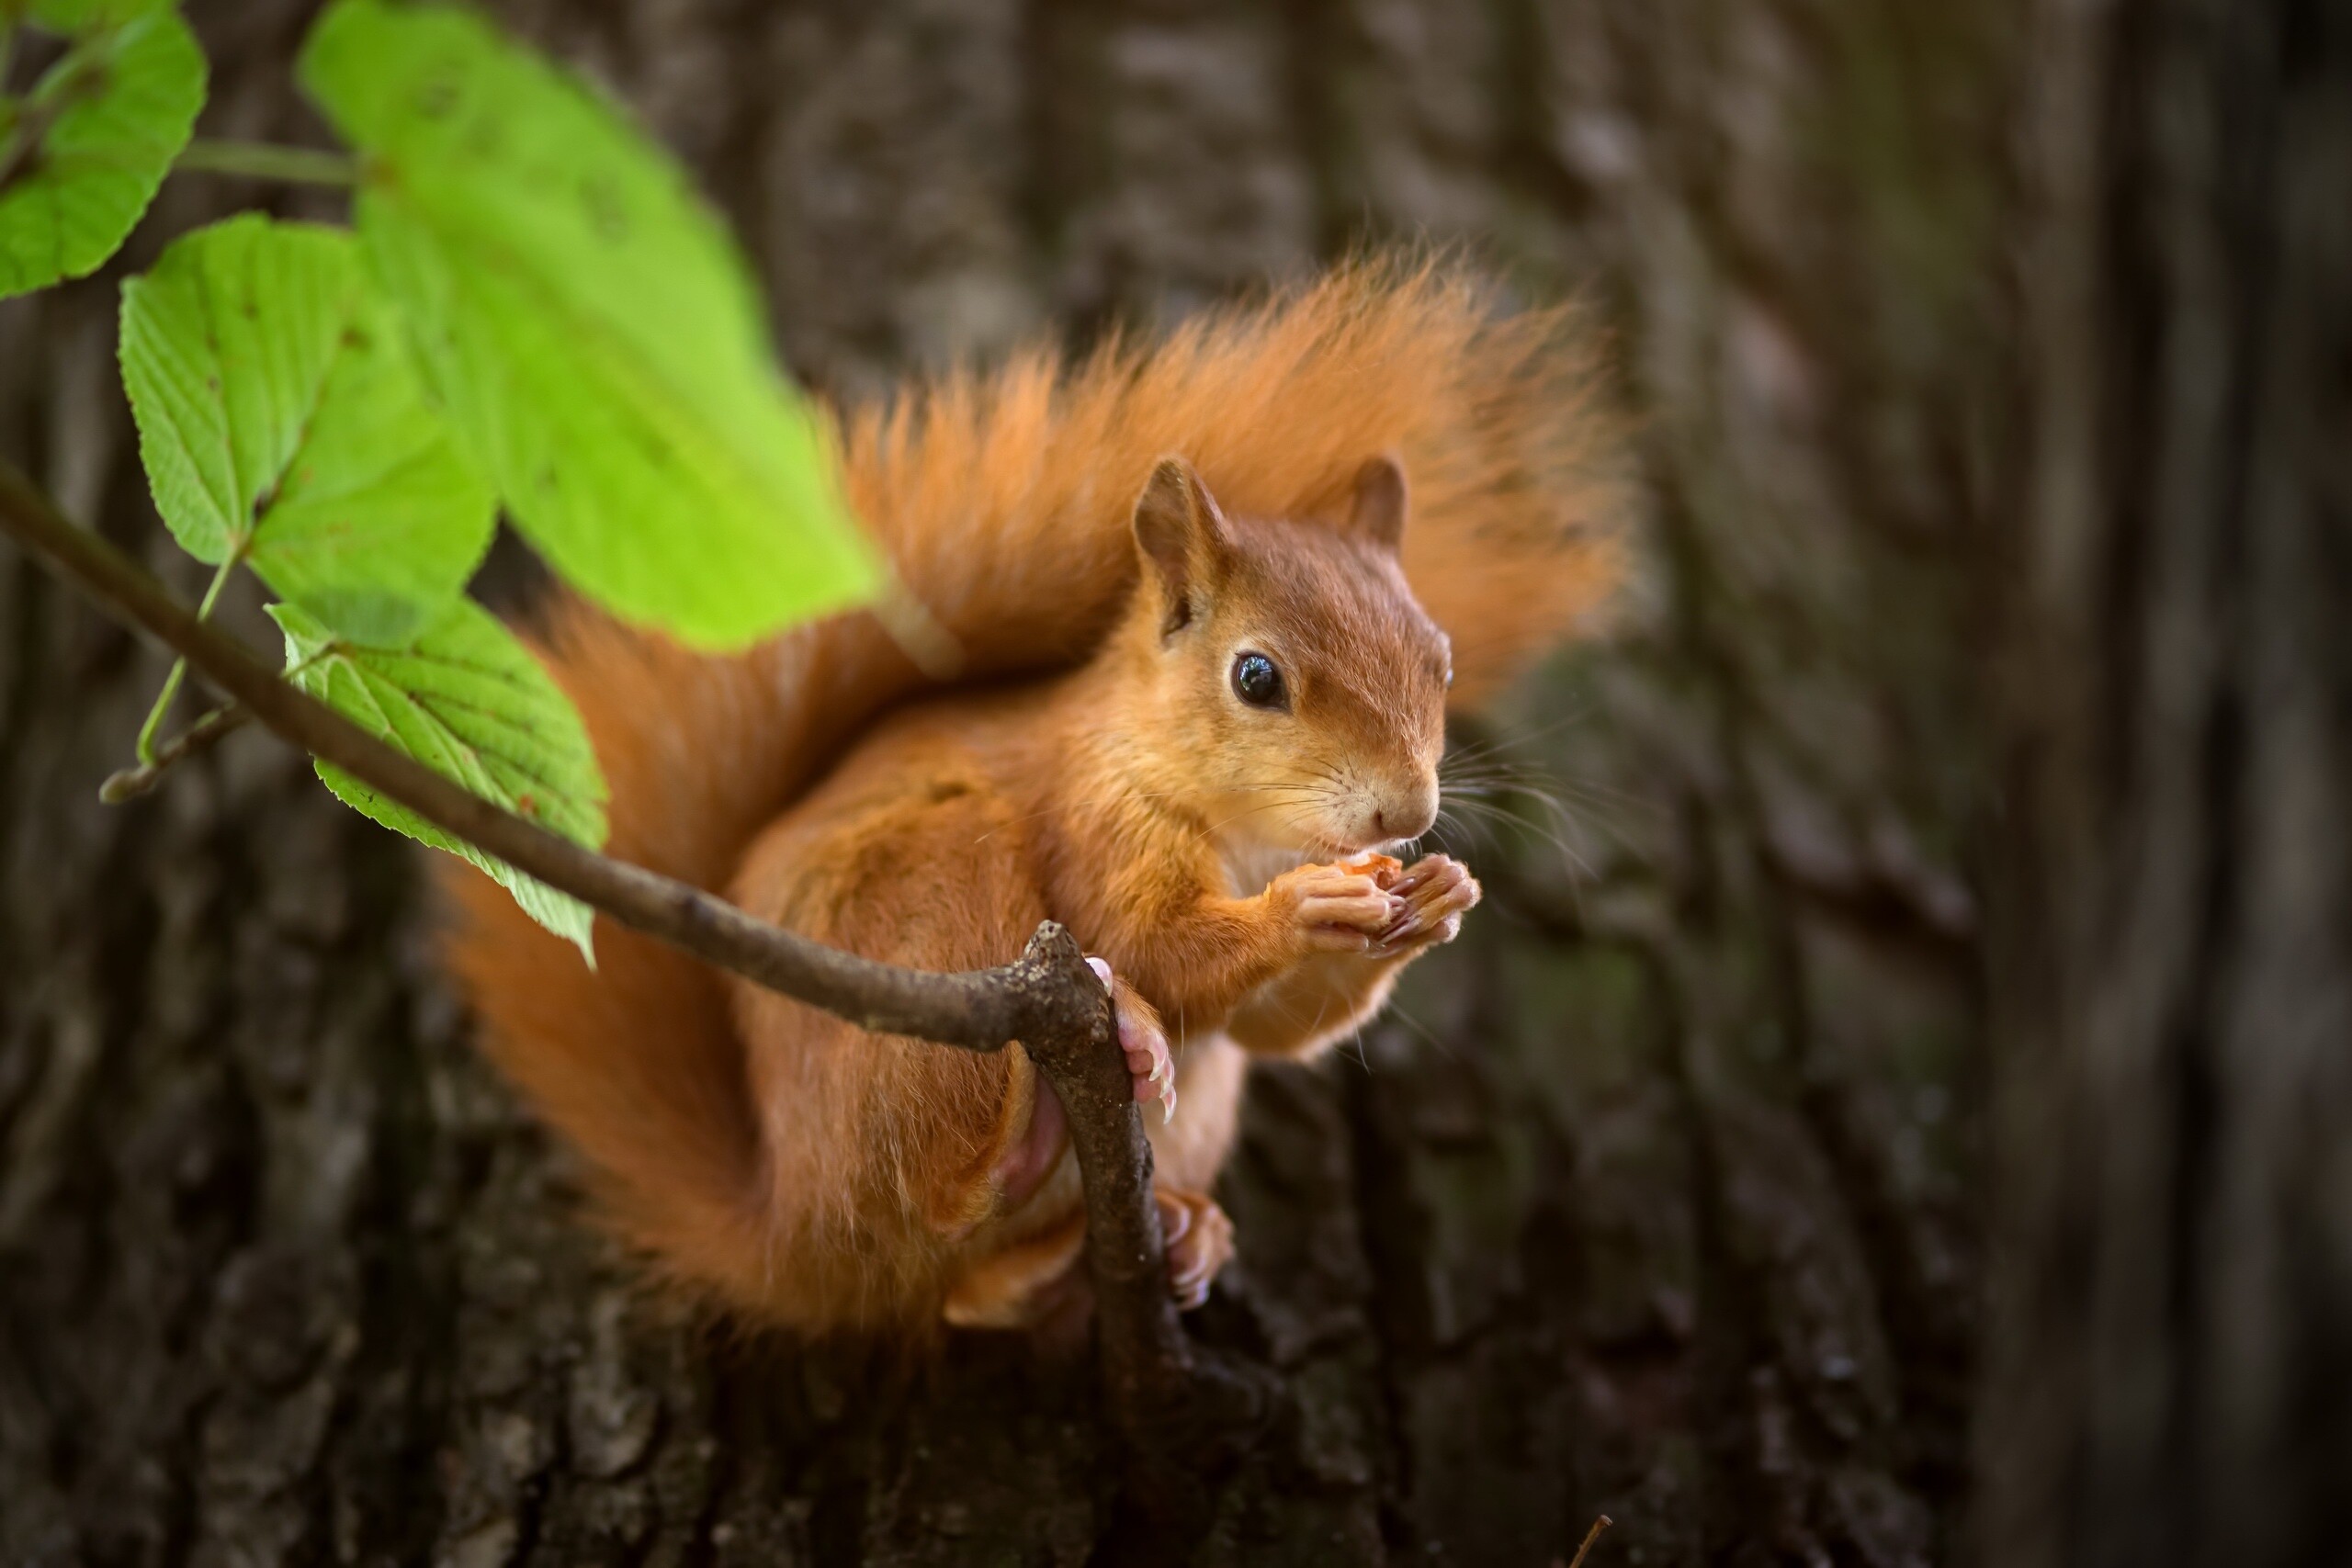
point(2172, 1349)
point(1648, 1199)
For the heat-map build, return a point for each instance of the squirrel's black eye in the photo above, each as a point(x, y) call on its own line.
point(1257, 682)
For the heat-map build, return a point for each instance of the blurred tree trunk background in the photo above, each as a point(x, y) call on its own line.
point(1660, 1194)
point(2170, 1343)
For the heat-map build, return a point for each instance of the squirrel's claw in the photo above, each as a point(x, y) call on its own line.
point(1437, 891)
point(1145, 1047)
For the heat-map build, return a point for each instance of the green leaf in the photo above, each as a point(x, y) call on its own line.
point(264, 372)
point(379, 521)
point(469, 701)
point(91, 142)
point(589, 327)
point(225, 349)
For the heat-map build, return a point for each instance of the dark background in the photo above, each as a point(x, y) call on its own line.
point(1891, 1110)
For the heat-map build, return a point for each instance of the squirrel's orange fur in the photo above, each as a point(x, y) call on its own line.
point(806, 1174)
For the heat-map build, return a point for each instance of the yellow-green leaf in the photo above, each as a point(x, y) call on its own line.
point(281, 423)
point(589, 327)
point(87, 147)
point(469, 701)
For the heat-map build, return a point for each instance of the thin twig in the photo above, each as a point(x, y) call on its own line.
point(266, 160)
point(129, 783)
point(1049, 999)
point(1590, 1535)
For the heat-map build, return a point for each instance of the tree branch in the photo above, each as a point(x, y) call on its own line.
point(1048, 999)
point(979, 1010)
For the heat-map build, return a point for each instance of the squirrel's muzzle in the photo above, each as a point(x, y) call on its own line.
point(1404, 813)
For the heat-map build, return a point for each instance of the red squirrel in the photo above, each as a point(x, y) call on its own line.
point(1212, 598)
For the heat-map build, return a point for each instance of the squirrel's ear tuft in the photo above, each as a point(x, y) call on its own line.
point(1379, 511)
point(1183, 537)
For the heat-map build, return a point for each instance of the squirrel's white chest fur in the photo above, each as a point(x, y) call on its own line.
point(1251, 863)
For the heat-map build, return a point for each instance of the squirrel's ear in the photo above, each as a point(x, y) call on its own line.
point(1183, 536)
point(1379, 512)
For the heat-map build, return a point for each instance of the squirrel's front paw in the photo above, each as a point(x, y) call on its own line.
point(1334, 908)
point(1437, 890)
point(1199, 1240)
point(1144, 1041)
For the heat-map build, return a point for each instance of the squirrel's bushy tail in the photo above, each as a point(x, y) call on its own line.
point(1003, 498)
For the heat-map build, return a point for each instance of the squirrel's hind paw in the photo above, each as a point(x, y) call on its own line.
point(1198, 1238)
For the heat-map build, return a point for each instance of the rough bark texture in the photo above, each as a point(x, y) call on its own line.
point(1648, 1199)
point(2172, 1372)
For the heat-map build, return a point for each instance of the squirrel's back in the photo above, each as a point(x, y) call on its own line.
point(1003, 499)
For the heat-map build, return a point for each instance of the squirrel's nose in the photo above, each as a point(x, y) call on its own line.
point(1406, 816)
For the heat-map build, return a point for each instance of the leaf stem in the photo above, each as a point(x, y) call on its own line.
point(148, 756)
point(267, 161)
